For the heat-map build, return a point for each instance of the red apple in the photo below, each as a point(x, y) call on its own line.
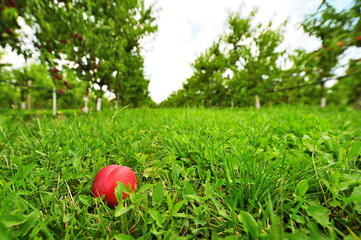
point(62, 91)
point(65, 82)
point(358, 38)
point(107, 179)
point(63, 41)
point(340, 44)
point(12, 3)
point(57, 76)
point(55, 70)
point(9, 31)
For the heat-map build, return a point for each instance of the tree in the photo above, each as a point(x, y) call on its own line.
point(337, 31)
point(95, 37)
point(10, 11)
point(253, 56)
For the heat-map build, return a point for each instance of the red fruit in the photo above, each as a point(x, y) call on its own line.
point(65, 82)
point(55, 70)
point(95, 66)
point(62, 91)
point(340, 44)
point(107, 179)
point(358, 38)
point(64, 41)
point(57, 76)
point(12, 3)
point(50, 50)
point(68, 86)
point(9, 31)
point(76, 35)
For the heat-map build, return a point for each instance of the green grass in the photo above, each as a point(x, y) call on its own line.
point(277, 173)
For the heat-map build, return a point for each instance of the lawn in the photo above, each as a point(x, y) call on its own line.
point(278, 173)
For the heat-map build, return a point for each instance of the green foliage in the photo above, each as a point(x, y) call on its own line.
point(278, 173)
point(251, 53)
point(10, 34)
point(248, 52)
point(100, 40)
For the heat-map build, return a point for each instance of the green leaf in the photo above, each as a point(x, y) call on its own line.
point(355, 149)
point(118, 191)
point(301, 188)
point(178, 206)
point(308, 142)
point(319, 213)
point(145, 188)
point(250, 225)
point(120, 210)
point(188, 190)
point(10, 220)
point(77, 164)
point(207, 189)
point(214, 235)
point(123, 237)
point(32, 218)
point(86, 200)
point(5, 234)
point(158, 194)
point(157, 217)
point(27, 169)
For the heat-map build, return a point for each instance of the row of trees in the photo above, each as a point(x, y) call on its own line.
point(97, 43)
point(247, 66)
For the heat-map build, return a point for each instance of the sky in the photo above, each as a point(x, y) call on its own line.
point(186, 28)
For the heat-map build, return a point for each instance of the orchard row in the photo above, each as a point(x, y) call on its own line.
point(250, 65)
point(98, 41)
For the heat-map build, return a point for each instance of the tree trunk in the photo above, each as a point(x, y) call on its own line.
point(258, 104)
point(116, 100)
point(99, 103)
point(22, 96)
point(358, 103)
point(290, 92)
point(29, 95)
point(323, 96)
point(54, 98)
point(86, 100)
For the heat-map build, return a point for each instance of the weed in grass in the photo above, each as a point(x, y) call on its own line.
point(276, 173)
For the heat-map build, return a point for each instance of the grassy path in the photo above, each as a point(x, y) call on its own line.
point(285, 172)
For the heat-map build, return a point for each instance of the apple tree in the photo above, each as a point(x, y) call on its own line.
point(337, 30)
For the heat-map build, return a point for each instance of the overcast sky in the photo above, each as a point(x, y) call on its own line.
point(188, 27)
